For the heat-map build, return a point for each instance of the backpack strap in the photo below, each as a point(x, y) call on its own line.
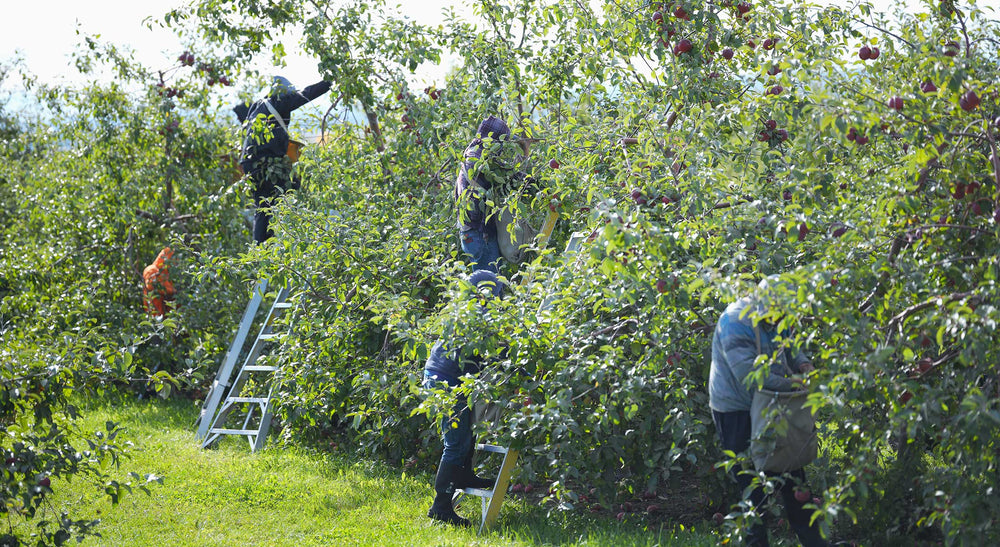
point(277, 117)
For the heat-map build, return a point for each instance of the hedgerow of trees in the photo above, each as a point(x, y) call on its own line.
point(697, 146)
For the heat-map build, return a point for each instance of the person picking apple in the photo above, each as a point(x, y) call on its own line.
point(490, 170)
point(448, 362)
point(735, 345)
point(263, 156)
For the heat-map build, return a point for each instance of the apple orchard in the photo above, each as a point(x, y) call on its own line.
point(700, 146)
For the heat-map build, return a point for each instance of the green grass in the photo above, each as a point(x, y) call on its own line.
point(228, 496)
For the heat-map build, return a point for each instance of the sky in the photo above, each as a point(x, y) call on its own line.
point(46, 38)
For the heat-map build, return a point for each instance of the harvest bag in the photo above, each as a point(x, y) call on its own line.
point(783, 430)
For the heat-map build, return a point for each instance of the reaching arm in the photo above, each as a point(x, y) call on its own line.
point(287, 102)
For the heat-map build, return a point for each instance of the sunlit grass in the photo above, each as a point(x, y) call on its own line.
point(282, 496)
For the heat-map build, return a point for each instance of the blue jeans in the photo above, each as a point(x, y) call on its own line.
point(482, 247)
point(456, 429)
point(734, 433)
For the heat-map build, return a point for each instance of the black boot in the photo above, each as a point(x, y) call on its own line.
point(444, 487)
point(469, 478)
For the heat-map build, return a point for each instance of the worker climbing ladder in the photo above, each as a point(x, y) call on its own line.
point(492, 499)
point(245, 400)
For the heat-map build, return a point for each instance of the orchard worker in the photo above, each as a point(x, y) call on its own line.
point(734, 352)
point(489, 171)
point(447, 363)
point(157, 289)
point(263, 156)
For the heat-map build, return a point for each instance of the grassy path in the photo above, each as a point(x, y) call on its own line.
point(229, 496)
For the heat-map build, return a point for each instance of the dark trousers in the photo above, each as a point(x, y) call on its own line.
point(734, 433)
point(270, 177)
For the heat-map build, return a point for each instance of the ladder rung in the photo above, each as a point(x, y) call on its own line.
point(224, 431)
point(492, 448)
point(260, 368)
point(271, 336)
point(478, 492)
point(259, 400)
point(282, 305)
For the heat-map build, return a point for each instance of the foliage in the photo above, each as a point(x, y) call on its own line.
point(695, 152)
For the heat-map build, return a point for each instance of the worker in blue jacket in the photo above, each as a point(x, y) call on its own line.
point(263, 156)
point(447, 363)
point(745, 324)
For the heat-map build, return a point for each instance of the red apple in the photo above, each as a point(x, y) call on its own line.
point(786, 195)
point(661, 286)
point(769, 43)
point(683, 46)
point(928, 87)
point(621, 515)
point(719, 518)
point(751, 44)
point(865, 53)
point(517, 488)
point(969, 101)
point(905, 397)
point(743, 7)
point(803, 231)
point(861, 139)
point(680, 13)
point(874, 54)
point(774, 70)
point(802, 496)
point(776, 90)
point(553, 164)
point(44, 482)
point(852, 134)
point(771, 125)
point(763, 136)
point(783, 135)
point(950, 49)
point(652, 508)
point(727, 53)
point(658, 17)
point(840, 231)
point(896, 103)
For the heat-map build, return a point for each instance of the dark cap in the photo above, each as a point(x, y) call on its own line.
point(492, 127)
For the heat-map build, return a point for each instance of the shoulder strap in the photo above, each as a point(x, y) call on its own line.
point(784, 360)
point(277, 117)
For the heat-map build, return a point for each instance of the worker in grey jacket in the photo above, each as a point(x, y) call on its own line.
point(730, 393)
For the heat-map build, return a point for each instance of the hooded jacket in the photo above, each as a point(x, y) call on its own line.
point(470, 189)
point(256, 144)
point(734, 350)
point(446, 361)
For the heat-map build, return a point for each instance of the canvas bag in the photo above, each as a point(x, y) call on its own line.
point(513, 233)
point(783, 430)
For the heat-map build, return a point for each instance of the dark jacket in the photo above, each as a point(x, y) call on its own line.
point(277, 145)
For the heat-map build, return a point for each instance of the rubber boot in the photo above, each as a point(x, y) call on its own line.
point(469, 478)
point(444, 487)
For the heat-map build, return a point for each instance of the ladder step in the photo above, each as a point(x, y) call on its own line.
point(271, 336)
point(224, 431)
point(258, 400)
point(479, 493)
point(260, 368)
point(282, 305)
point(492, 448)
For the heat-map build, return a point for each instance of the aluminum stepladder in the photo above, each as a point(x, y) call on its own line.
point(492, 499)
point(226, 394)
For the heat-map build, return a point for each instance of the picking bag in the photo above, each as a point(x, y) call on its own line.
point(782, 429)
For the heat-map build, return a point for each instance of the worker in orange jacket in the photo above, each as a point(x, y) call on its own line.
point(157, 288)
